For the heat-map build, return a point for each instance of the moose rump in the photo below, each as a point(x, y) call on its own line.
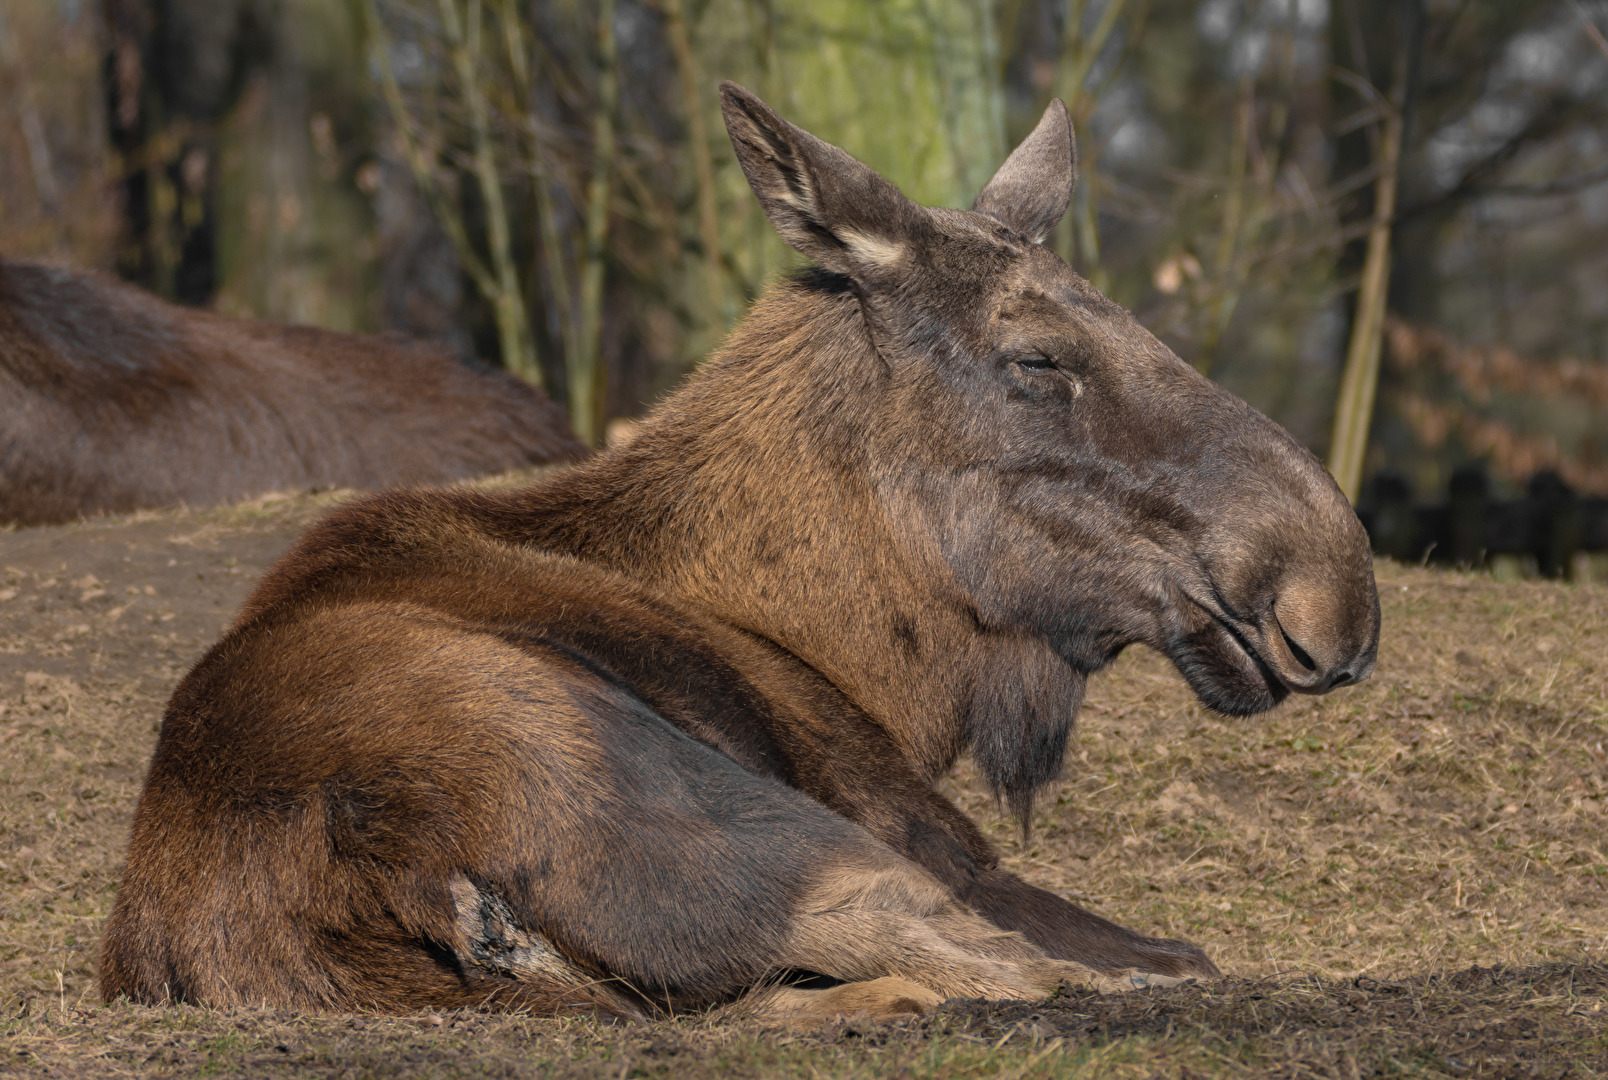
point(660, 728)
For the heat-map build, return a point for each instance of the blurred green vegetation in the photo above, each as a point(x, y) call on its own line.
point(242, 154)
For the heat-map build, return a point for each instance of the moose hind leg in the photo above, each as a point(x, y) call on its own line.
point(704, 880)
point(490, 940)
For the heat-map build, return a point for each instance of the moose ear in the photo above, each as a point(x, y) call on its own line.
point(1032, 189)
point(824, 203)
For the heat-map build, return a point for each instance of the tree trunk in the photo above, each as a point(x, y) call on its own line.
point(1360, 379)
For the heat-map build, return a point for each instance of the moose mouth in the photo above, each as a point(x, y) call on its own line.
point(1226, 668)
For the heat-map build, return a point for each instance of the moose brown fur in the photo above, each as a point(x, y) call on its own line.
point(112, 400)
point(657, 729)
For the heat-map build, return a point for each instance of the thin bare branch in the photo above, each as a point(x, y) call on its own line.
point(1360, 378)
point(1590, 27)
point(463, 34)
point(1567, 186)
point(702, 160)
point(588, 380)
point(1364, 88)
point(420, 161)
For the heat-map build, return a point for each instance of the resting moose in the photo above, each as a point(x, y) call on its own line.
point(664, 725)
point(112, 400)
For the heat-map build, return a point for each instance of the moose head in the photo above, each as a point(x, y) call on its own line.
point(967, 479)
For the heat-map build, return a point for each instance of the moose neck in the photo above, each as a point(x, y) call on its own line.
point(756, 493)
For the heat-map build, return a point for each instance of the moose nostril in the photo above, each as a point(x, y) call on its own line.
point(1299, 653)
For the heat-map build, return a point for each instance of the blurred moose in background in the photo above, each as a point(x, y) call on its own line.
point(112, 400)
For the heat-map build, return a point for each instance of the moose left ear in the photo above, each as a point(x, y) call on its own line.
point(821, 201)
point(1032, 189)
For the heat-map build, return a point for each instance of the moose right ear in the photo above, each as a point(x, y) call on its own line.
point(823, 202)
point(1031, 191)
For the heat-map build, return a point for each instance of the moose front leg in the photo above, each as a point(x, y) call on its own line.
point(909, 815)
point(927, 829)
point(1068, 932)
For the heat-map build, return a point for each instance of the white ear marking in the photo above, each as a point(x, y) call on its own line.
point(871, 249)
point(798, 202)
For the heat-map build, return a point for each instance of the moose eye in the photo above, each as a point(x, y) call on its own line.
point(1034, 362)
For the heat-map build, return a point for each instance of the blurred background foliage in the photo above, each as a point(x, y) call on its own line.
point(547, 183)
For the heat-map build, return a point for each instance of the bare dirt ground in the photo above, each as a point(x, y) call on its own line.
point(1405, 878)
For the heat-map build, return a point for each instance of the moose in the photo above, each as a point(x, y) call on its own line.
point(660, 730)
point(112, 400)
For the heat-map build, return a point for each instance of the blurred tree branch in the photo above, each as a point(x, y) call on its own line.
point(463, 34)
point(499, 283)
point(588, 380)
point(1079, 51)
point(692, 91)
point(33, 130)
point(550, 238)
point(1476, 181)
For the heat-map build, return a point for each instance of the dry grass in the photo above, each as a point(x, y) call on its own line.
point(1451, 812)
point(1538, 1022)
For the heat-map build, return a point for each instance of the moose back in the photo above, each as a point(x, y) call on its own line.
point(662, 728)
point(112, 400)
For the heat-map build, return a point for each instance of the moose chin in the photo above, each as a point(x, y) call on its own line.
point(660, 730)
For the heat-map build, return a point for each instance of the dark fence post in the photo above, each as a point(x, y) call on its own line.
point(1469, 538)
point(1554, 524)
point(1392, 521)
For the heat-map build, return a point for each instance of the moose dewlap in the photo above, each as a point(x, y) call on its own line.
point(658, 728)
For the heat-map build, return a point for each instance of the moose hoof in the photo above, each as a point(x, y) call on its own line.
point(1121, 980)
point(1176, 960)
point(1139, 980)
point(887, 998)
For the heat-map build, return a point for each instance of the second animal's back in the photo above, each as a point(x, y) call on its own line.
point(112, 400)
